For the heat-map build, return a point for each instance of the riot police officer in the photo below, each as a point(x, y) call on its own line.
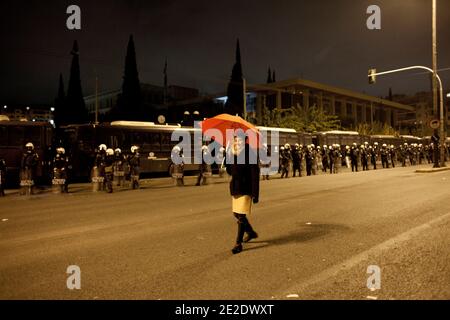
point(384, 156)
point(337, 158)
point(119, 167)
point(285, 161)
point(30, 161)
point(61, 167)
point(109, 170)
point(324, 154)
point(2, 177)
point(309, 160)
point(177, 166)
point(205, 169)
point(393, 155)
point(374, 155)
point(265, 162)
point(135, 167)
point(98, 171)
point(364, 158)
point(354, 154)
point(296, 160)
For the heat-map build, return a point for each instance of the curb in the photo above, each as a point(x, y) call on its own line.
point(432, 170)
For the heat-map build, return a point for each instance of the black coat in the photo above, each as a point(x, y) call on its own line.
point(244, 177)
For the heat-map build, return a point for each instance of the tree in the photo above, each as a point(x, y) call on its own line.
point(274, 79)
point(129, 105)
point(269, 76)
point(235, 91)
point(312, 119)
point(376, 128)
point(75, 109)
point(59, 116)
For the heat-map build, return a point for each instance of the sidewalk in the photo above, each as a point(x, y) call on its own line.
point(431, 170)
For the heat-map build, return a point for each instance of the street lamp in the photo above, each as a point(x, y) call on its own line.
point(372, 79)
point(52, 109)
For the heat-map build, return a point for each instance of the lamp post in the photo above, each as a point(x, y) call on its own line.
point(372, 79)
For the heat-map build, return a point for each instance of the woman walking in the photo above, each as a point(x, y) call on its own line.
point(244, 187)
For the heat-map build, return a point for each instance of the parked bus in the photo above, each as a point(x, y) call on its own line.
point(386, 139)
point(342, 138)
point(13, 137)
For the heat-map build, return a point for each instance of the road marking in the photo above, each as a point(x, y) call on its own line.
point(363, 256)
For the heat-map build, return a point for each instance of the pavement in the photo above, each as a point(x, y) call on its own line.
point(319, 235)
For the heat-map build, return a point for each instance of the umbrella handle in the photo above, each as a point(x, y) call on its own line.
point(226, 151)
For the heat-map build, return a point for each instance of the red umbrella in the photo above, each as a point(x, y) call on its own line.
point(226, 126)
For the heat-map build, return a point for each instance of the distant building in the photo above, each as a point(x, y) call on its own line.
point(352, 108)
point(417, 123)
point(28, 112)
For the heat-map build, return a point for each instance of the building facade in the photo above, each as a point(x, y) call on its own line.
point(352, 108)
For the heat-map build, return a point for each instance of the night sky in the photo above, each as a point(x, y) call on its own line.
point(324, 41)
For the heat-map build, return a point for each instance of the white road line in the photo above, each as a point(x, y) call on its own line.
point(363, 256)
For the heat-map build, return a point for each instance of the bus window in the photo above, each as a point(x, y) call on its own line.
point(16, 136)
point(166, 142)
point(33, 135)
point(3, 136)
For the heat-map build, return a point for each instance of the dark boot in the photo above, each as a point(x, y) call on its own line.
point(240, 233)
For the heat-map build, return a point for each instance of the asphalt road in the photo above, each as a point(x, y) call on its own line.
point(318, 235)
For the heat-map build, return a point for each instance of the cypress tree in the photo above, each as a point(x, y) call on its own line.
point(59, 116)
point(274, 79)
point(235, 91)
point(129, 104)
point(269, 76)
point(75, 108)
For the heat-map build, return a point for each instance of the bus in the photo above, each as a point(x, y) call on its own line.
point(411, 139)
point(13, 137)
point(343, 138)
point(286, 135)
point(386, 139)
point(155, 143)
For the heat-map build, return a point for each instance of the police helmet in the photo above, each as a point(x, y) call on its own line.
point(176, 149)
point(102, 147)
point(29, 145)
point(118, 150)
point(281, 148)
point(134, 149)
point(109, 152)
point(60, 150)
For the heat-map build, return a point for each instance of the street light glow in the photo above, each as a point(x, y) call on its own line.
point(52, 109)
point(5, 107)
